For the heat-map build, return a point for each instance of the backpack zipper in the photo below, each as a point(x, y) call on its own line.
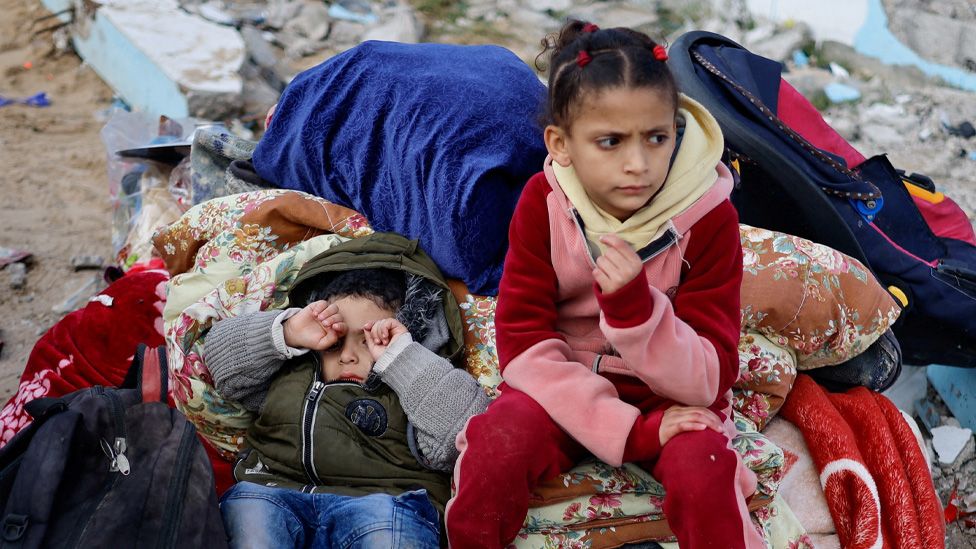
point(964, 278)
point(177, 493)
point(116, 452)
point(309, 411)
point(119, 463)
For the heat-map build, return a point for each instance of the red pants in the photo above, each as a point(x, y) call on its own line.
point(507, 450)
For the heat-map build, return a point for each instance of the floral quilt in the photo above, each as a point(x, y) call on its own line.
point(824, 305)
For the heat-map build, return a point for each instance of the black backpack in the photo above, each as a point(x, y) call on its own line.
point(866, 211)
point(107, 467)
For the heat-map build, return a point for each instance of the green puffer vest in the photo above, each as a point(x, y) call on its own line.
point(342, 437)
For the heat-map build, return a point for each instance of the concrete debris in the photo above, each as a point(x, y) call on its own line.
point(354, 11)
point(280, 12)
point(782, 42)
point(17, 275)
point(945, 38)
point(132, 47)
point(838, 70)
point(401, 25)
point(552, 6)
point(312, 23)
point(81, 262)
point(949, 442)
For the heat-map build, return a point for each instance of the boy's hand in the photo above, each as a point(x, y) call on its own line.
point(678, 419)
point(318, 326)
point(380, 333)
point(618, 265)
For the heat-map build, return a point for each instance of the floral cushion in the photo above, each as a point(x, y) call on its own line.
point(767, 369)
point(602, 505)
point(813, 299)
point(779, 526)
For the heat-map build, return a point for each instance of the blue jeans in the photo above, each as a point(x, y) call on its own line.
point(264, 517)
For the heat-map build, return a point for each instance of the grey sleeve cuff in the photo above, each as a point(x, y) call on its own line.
point(241, 356)
point(278, 334)
point(438, 400)
point(393, 350)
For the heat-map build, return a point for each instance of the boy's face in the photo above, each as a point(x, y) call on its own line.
point(349, 359)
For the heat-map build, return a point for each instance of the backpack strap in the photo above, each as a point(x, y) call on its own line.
point(149, 373)
point(28, 510)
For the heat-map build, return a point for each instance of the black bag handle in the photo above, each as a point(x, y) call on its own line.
point(149, 372)
point(43, 408)
point(28, 510)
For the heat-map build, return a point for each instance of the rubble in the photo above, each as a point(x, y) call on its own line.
point(401, 25)
point(17, 275)
point(949, 442)
point(780, 45)
point(131, 45)
point(81, 262)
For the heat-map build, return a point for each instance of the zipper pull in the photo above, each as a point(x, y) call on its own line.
point(313, 393)
point(121, 462)
point(116, 455)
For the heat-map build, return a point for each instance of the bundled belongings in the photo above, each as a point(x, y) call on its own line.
point(806, 307)
point(431, 141)
point(872, 470)
point(800, 177)
point(105, 467)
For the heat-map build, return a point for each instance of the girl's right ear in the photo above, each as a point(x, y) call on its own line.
point(557, 145)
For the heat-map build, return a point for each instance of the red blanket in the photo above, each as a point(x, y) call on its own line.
point(873, 473)
point(91, 346)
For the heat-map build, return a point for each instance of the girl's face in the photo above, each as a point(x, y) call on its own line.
point(620, 144)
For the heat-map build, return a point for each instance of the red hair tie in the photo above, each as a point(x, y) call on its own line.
point(659, 53)
point(583, 59)
point(590, 27)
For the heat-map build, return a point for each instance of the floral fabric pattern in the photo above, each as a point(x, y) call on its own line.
point(776, 521)
point(220, 421)
point(595, 503)
point(767, 370)
point(827, 306)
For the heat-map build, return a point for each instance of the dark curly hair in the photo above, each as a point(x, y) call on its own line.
point(385, 287)
point(618, 57)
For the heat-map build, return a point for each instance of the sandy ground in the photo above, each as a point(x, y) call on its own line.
point(53, 191)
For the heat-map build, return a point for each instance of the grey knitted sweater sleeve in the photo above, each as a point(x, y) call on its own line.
point(438, 400)
point(241, 356)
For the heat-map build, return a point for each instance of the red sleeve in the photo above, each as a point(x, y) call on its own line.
point(526, 306)
point(708, 297)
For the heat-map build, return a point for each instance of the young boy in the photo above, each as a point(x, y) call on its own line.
point(357, 415)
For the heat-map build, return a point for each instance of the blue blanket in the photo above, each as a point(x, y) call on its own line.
point(431, 141)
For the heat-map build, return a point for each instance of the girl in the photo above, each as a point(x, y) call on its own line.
point(618, 311)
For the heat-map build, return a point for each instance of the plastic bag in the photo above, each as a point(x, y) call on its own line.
point(144, 191)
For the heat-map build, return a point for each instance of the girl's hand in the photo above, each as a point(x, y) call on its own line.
point(380, 333)
point(678, 419)
point(618, 265)
point(318, 326)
